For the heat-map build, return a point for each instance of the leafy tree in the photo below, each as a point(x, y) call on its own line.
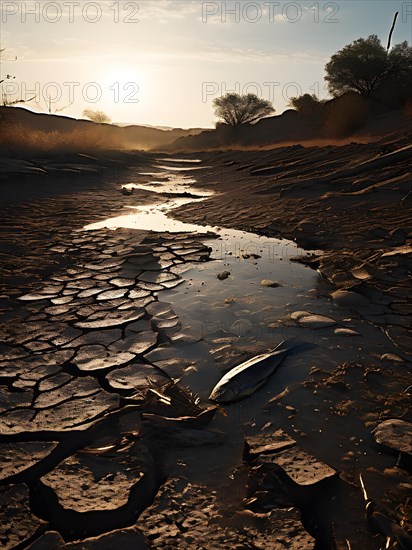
point(306, 104)
point(97, 116)
point(235, 109)
point(364, 65)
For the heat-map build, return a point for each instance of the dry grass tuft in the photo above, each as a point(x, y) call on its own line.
point(347, 115)
point(18, 139)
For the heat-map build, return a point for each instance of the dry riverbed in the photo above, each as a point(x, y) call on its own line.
point(106, 334)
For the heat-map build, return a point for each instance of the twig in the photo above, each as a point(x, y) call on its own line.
point(365, 494)
point(391, 31)
point(406, 196)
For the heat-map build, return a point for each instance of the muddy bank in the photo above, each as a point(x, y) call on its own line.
point(43, 201)
point(353, 203)
point(103, 448)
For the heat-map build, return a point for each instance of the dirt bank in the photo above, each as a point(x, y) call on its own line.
point(353, 203)
point(90, 346)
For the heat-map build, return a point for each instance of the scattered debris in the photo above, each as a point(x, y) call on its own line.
point(385, 522)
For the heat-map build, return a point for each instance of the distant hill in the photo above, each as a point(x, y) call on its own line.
point(29, 133)
point(164, 128)
point(127, 137)
point(338, 119)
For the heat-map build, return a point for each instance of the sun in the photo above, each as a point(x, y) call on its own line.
point(123, 76)
point(123, 84)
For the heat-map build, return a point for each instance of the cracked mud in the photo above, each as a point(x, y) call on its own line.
point(112, 340)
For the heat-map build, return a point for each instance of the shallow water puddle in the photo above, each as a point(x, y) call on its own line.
point(182, 168)
point(151, 218)
point(154, 217)
point(173, 188)
point(189, 161)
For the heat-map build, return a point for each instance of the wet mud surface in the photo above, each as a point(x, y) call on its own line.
point(113, 339)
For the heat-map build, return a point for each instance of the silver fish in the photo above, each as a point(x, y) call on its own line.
point(246, 378)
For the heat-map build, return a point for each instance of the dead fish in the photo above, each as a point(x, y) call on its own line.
point(246, 378)
point(170, 423)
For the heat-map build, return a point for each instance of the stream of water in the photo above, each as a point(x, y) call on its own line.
point(228, 320)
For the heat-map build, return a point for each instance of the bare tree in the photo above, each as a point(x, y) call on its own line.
point(97, 116)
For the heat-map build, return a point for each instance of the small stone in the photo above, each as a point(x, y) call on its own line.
point(223, 275)
point(346, 332)
point(395, 434)
point(296, 315)
point(392, 357)
point(269, 283)
point(301, 467)
point(316, 321)
point(361, 273)
point(350, 299)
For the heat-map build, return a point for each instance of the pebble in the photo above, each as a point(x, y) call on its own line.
point(346, 331)
point(316, 321)
point(296, 315)
point(269, 283)
point(350, 299)
point(396, 434)
point(392, 357)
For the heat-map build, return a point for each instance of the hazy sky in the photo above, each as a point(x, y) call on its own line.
point(162, 62)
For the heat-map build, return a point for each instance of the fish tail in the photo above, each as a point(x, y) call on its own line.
point(293, 345)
